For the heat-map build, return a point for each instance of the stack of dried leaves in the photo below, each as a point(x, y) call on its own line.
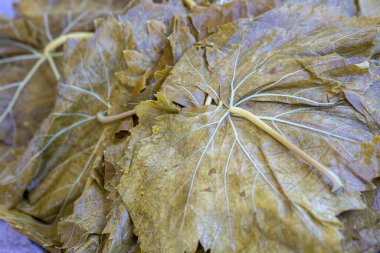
point(188, 126)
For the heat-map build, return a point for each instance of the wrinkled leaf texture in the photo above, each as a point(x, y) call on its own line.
point(74, 164)
point(213, 177)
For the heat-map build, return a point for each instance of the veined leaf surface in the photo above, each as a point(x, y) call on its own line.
point(212, 176)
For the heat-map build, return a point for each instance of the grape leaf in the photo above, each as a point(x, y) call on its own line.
point(50, 19)
point(362, 228)
point(59, 162)
point(152, 36)
point(71, 141)
point(17, 128)
point(210, 175)
point(55, 178)
point(206, 20)
point(65, 159)
point(26, 102)
point(87, 218)
point(117, 157)
point(370, 8)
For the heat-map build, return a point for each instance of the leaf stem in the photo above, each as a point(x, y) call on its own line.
point(190, 3)
point(335, 180)
point(53, 45)
point(363, 65)
point(107, 119)
point(208, 100)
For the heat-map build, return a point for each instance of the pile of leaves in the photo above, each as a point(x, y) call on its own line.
point(192, 126)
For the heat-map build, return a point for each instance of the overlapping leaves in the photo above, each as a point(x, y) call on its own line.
point(28, 86)
point(199, 173)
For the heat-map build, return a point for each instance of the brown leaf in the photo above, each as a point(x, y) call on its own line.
point(88, 217)
point(361, 227)
point(370, 8)
point(210, 175)
point(50, 19)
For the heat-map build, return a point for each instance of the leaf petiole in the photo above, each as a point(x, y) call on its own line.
point(108, 119)
point(53, 45)
point(208, 100)
point(335, 180)
point(363, 65)
point(190, 3)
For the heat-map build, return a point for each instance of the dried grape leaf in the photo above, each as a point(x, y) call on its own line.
point(15, 30)
point(151, 14)
point(150, 38)
point(207, 19)
point(59, 162)
point(88, 217)
point(118, 230)
point(50, 19)
point(180, 40)
point(26, 102)
point(370, 8)
point(22, 107)
point(348, 8)
point(82, 73)
point(20, 33)
point(201, 172)
point(35, 230)
point(71, 141)
point(210, 175)
point(156, 51)
point(18, 127)
point(362, 227)
point(56, 165)
point(367, 104)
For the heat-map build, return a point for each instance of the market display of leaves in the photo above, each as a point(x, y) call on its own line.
point(192, 126)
